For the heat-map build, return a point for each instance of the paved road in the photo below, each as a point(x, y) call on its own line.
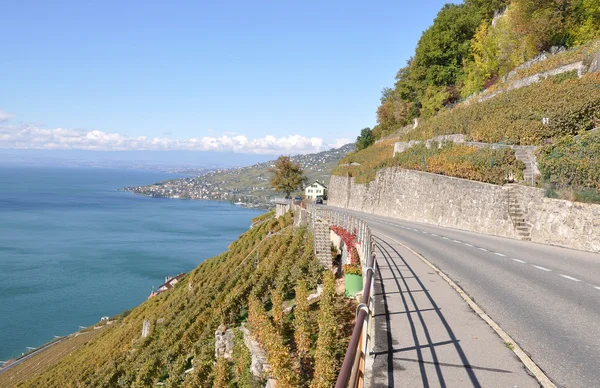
point(547, 298)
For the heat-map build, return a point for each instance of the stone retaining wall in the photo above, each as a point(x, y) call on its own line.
point(281, 208)
point(469, 205)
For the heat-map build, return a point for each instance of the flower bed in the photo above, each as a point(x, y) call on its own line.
point(349, 240)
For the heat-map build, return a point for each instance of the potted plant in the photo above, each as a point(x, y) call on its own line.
point(352, 271)
point(352, 279)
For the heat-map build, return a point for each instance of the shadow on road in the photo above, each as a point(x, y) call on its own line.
point(403, 300)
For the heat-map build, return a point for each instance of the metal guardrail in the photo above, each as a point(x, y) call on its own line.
point(352, 371)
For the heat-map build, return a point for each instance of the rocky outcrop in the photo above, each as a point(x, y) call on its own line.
point(595, 65)
point(224, 343)
point(259, 366)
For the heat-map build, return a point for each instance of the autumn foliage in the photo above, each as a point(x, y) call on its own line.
point(287, 176)
point(349, 239)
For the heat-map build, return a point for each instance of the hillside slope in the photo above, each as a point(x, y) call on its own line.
point(497, 91)
point(265, 264)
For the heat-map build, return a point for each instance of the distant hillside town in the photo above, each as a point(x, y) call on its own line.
point(246, 186)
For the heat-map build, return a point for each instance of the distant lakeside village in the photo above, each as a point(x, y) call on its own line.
point(195, 188)
point(248, 186)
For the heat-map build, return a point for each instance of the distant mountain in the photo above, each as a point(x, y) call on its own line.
point(245, 185)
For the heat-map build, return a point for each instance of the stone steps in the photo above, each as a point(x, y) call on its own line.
point(322, 243)
point(525, 157)
point(517, 217)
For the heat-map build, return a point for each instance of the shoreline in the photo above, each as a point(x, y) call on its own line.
point(252, 206)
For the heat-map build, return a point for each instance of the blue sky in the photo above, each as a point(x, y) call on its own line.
point(251, 77)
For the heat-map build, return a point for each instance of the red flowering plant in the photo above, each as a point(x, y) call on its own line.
point(349, 240)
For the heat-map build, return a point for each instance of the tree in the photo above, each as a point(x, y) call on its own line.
point(443, 46)
point(365, 139)
point(287, 176)
point(584, 21)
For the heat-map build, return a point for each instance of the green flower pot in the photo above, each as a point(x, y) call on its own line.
point(353, 284)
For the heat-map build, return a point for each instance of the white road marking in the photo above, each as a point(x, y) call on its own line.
point(529, 364)
point(483, 249)
point(445, 238)
point(424, 232)
point(596, 287)
point(520, 261)
point(499, 254)
point(469, 245)
point(435, 235)
point(569, 277)
point(542, 268)
point(456, 241)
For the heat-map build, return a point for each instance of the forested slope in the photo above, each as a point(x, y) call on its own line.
point(507, 73)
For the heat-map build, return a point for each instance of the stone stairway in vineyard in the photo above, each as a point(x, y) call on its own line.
point(322, 243)
point(525, 156)
point(517, 217)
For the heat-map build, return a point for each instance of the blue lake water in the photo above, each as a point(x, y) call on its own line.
point(73, 248)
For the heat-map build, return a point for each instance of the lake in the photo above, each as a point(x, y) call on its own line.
point(73, 248)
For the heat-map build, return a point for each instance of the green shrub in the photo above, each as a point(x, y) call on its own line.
point(365, 139)
point(242, 360)
point(325, 355)
point(222, 374)
point(278, 354)
point(571, 167)
point(301, 324)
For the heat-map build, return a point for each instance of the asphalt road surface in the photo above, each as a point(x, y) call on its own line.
point(547, 298)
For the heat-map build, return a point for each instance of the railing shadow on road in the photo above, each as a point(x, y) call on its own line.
point(390, 259)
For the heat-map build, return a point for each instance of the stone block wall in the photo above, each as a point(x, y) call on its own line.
point(560, 222)
point(469, 205)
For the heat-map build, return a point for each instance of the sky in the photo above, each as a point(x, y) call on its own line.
point(249, 77)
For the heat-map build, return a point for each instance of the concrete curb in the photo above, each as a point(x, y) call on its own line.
point(531, 366)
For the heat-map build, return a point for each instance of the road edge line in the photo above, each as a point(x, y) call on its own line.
point(519, 352)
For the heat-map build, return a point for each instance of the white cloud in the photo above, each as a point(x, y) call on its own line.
point(5, 116)
point(341, 142)
point(28, 136)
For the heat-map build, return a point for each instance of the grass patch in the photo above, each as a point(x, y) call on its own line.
point(370, 161)
point(571, 168)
